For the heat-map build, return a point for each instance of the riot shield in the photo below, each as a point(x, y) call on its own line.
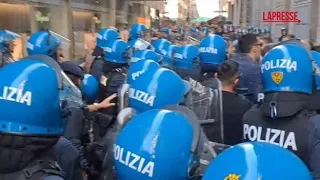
point(209, 152)
point(193, 41)
point(123, 117)
point(123, 95)
point(205, 149)
point(70, 92)
point(206, 103)
point(214, 118)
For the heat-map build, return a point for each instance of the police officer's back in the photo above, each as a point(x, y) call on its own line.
point(31, 121)
point(283, 118)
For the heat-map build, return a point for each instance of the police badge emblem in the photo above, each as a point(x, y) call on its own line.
point(232, 177)
point(277, 77)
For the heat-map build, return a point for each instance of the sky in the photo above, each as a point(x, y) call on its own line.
point(205, 8)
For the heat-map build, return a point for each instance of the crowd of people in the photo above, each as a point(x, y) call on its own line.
point(174, 103)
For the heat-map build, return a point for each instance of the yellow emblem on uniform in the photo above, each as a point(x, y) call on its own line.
point(232, 177)
point(277, 77)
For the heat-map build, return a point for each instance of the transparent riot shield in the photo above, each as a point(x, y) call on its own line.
point(209, 152)
point(193, 41)
point(70, 92)
point(201, 146)
point(123, 95)
point(123, 118)
point(206, 103)
point(65, 42)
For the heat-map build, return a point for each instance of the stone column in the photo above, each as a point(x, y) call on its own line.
point(112, 13)
point(33, 22)
point(61, 23)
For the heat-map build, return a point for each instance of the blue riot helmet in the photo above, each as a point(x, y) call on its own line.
point(165, 32)
point(139, 44)
point(236, 45)
point(213, 50)
point(250, 29)
point(6, 38)
point(267, 30)
point(287, 68)
point(150, 90)
point(31, 87)
point(43, 42)
point(184, 57)
point(316, 58)
point(167, 60)
point(244, 31)
point(145, 55)
point(160, 46)
point(89, 87)
point(137, 69)
point(107, 34)
point(116, 51)
point(161, 151)
point(163, 47)
point(206, 31)
point(138, 31)
point(257, 160)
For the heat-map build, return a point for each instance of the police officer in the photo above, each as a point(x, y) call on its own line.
point(29, 133)
point(6, 46)
point(46, 43)
point(158, 144)
point(212, 52)
point(287, 77)
point(139, 38)
point(148, 90)
point(316, 94)
point(284, 32)
point(104, 35)
point(186, 62)
point(83, 121)
point(145, 55)
point(164, 49)
point(257, 160)
point(149, 87)
point(114, 70)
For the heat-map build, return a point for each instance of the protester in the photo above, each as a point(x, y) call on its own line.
point(234, 107)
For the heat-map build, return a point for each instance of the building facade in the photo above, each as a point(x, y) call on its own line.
point(76, 20)
point(194, 10)
point(308, 12)
point(183, 10)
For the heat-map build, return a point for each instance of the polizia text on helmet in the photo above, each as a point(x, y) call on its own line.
point(273, 136)
point(279, 64)
point(137, 74)
point(141, 96)
point(208, 50)
point(16, 95)
point(133, 161)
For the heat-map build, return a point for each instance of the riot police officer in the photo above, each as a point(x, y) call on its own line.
point(29, 133)
point(284, 118)
point(103, 36)
point(6, 46)
point(212, 52)
point(257, 160)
